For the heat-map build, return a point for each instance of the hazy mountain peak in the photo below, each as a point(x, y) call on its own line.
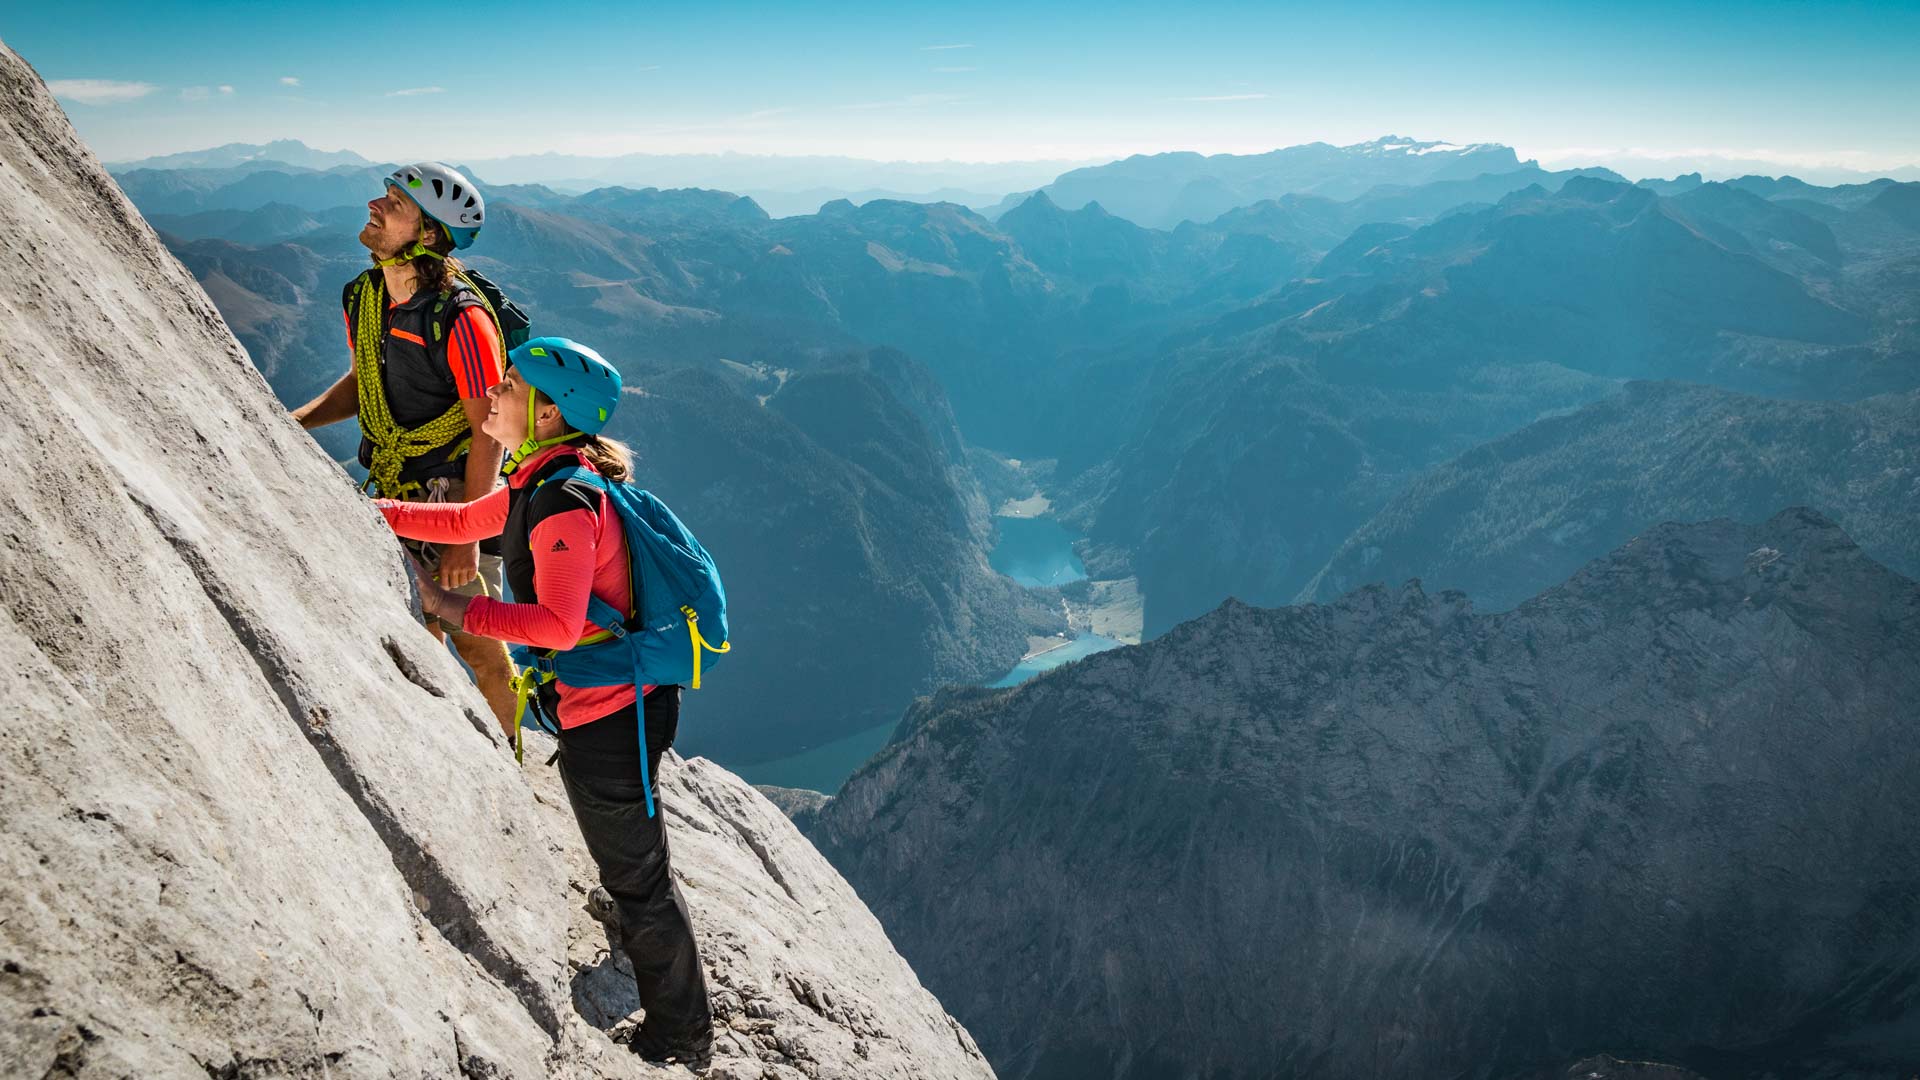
point(281, 151)
point(1039, 201)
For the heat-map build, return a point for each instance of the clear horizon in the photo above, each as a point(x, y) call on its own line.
point(1648, 90)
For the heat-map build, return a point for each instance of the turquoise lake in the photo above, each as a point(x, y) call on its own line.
point(1036, 552)
point(1082, 646)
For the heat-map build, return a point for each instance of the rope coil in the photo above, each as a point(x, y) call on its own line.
point(392, 444)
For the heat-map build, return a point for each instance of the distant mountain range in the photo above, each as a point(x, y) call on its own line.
point(1220, 406)
point(1256, 442)
point(784, 185)
point(281, 151)
point(1162, 190)
point(1660, 809)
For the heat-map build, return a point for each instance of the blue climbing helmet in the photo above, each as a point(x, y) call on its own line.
point(574, 377)
point(578, 380)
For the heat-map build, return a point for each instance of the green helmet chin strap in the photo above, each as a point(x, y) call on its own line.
point(530, 445)
point(418, 249)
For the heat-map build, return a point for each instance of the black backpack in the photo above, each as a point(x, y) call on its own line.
point(508, 316)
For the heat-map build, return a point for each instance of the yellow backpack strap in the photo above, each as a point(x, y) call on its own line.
point(699, 642)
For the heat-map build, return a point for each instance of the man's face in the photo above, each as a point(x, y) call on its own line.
point(393, 223)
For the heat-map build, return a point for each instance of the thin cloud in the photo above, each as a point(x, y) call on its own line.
point(100, 91)
point(416, 91)
point(289, 80)
point(649, 67)
point(943, 48)
point(1222, 97)
point(911, 101)
point(226, 89)
point(955, 70)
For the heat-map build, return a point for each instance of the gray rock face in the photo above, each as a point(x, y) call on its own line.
point(1663, 809)
point(257, 824)
point(802, 980)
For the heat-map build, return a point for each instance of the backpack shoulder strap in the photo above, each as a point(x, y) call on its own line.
point(350, 292)
point(577, 472)
point(450, 304)
point(599, 612)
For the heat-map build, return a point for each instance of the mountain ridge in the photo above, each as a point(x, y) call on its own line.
point(1389, 836)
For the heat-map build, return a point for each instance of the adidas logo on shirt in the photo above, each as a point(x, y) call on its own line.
point(558, 545)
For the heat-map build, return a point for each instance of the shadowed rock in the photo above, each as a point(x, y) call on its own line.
point(1661, 810)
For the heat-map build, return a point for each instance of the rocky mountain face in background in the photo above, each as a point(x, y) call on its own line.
point(259, 823)
point(1660, 810)
point(1507, 519)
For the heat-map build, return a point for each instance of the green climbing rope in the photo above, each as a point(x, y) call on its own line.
point(393, 445)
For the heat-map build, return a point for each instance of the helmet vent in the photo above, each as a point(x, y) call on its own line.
point(439, 189)
point(456, 193)
point(469, 200)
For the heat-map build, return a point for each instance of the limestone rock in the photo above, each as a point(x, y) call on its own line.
point(258, 824)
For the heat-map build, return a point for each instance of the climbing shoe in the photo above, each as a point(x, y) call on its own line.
point(662, 1052)
point(600, 905)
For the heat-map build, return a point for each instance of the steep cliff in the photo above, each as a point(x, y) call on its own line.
point(1663, 809)
point(257, 823)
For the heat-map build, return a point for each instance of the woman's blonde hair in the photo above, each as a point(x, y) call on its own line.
point(610, 458)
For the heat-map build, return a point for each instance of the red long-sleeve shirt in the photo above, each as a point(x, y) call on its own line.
point(575, 553)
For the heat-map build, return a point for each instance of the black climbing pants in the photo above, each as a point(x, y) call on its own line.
point(600, 765)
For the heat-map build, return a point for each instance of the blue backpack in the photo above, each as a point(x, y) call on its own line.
point(680, 613)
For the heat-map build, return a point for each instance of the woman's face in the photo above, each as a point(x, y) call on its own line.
point(506, 421)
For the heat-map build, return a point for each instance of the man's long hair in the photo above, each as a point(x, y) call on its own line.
point(435, 274)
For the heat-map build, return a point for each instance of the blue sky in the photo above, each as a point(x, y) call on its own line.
point(988, 81)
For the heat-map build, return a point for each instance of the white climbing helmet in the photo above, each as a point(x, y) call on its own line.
point(445, 196)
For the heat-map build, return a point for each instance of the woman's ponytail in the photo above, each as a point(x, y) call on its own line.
point(610, 457)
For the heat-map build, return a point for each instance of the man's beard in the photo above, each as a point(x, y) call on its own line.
point(371, 236)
